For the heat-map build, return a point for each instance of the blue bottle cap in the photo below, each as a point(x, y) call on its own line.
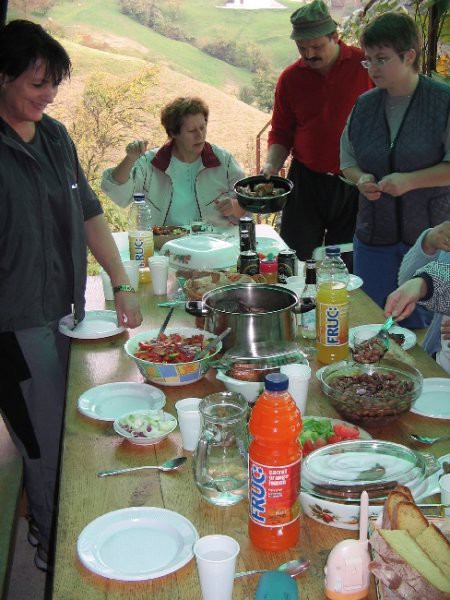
point(276, 382)
point(333, 250)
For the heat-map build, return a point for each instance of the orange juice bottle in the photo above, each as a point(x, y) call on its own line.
point(332, 321)
point(274, 467)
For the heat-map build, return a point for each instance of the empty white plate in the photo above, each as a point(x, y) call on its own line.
point(434, 401)
point(354, 283)
point(135, 544)
point(97, 324)
point(110, 401)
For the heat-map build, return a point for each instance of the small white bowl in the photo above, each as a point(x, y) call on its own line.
point(249, 389)
point(150, 439)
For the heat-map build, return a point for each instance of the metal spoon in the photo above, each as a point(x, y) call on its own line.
point(212, 344)
point(292, 568)
point(164, 325)
point(424, 439)
point(170, 465)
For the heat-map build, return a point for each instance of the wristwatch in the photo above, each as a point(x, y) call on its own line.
point(124, 287)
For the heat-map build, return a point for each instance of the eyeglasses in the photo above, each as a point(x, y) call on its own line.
point(378, 62)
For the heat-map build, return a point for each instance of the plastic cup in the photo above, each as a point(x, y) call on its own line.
point(444, 484)
point(159, 270)
point(107, 287)
point(121, 240)
point(299, 376)
point(216, 563)
point(132, 270)
point(189, 421)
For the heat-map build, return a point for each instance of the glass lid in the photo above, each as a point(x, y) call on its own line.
point(345, 469)
point(265, 354)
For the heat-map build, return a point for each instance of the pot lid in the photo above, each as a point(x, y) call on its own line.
point(344, 470)
point(201, 252)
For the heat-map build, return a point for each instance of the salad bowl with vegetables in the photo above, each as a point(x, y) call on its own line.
point(145, 428)
point(170, 359)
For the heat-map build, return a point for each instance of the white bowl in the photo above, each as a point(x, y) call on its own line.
point(152, 438)
point(334, 514)
point(201, 252)
point(249, 389)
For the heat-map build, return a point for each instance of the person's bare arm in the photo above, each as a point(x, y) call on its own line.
point(397, 184)
point(276, 157)
point(365, 182)
point(134, 150)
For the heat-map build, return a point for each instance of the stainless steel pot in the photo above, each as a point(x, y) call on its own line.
point(255, 313)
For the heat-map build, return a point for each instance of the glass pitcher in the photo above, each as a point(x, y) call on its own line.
point(221, 456)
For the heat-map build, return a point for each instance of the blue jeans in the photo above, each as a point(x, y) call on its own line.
point(378, 267)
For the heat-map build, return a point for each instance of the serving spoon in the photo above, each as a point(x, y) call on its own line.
point(424, 439)
point(169, 465)
point(292, 568)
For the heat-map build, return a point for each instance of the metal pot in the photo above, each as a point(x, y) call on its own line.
point(255, 313)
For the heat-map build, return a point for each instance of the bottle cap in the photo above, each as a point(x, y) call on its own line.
point(332, 251)
point(276, 382)
point(139, 197)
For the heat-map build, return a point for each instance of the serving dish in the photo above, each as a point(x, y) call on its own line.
point(263, 204)
point(161, 235)
point(201, 252)
point(145, 428)
point(249, 389)
point(171, 374)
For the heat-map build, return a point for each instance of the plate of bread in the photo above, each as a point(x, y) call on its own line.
point(411, 553)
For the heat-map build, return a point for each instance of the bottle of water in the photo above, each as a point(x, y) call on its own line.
point(332, 268)
point(140, 235)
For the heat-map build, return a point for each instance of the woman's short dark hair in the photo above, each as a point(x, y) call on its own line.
point(172, 114)
point(22, 43)
point(395, 30)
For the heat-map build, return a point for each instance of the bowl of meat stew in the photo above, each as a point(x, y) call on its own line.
point(264, 196)
point(371, 394)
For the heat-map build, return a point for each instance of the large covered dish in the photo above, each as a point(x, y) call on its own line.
point(257, 194)
point(334, 476)
point(202, 252)
point(371, 394)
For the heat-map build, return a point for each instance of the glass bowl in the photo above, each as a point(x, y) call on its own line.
point(371, 394)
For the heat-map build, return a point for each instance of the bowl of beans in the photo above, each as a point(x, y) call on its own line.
point(371, 394)
point(170, 359)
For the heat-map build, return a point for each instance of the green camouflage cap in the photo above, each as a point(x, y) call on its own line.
point(312, 21)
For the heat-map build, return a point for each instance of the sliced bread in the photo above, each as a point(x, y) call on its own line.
point(392, 500)
point(406, 547)
point(404, 489)
point(407, 516)
point(436, 545)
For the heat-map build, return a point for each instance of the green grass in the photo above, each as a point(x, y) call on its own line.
point(104, 15)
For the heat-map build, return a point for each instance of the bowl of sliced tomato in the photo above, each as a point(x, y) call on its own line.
point(321, 431)
point(170, 359)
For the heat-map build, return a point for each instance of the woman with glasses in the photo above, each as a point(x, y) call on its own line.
point(396, 150)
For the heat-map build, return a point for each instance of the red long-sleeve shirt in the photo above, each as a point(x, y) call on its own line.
point(311, 109)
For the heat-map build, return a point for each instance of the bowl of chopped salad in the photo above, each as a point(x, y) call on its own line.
point(166, 233)
point(170, 360)
point(145, 428)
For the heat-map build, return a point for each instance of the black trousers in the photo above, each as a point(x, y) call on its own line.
point(321, 211)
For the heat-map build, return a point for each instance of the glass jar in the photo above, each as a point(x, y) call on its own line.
point(221, 456)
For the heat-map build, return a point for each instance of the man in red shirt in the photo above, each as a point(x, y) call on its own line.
point(313, 99)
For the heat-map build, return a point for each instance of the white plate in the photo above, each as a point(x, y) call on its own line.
point(434, 401)
point(96, 324)
point(136, 544)
point(363, 434)
point(265, 245)
point(354, 283)
point(112, 400)
point(410, 336)
point(145, 441)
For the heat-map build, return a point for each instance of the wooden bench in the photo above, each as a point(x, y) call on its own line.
point(10, 495)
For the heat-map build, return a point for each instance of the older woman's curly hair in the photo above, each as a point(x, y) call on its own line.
point(172, 114)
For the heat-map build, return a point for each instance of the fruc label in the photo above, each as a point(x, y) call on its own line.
point(141, 246)
point(274, 493)
point(333, 324)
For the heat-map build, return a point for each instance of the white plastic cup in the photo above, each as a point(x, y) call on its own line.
point(444, 484)
point(216, 564)
point(121, 240)
point(299, 375)
point(132, 270)
point(159, 270)
point(107, 287)
point(189, 421)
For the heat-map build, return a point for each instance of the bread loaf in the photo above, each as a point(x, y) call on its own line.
point(394, 497)
point(437, 546)
point(408, 517)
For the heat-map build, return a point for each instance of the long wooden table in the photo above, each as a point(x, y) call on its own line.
point(90, 446)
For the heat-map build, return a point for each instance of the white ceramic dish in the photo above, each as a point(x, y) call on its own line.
point(201, 252)
point(434, 401)
point(151, 438)
point(97, 324)
point(373, 329)
point(354, 283)
point(109, 401)
point(249, 389)
point(136, 544)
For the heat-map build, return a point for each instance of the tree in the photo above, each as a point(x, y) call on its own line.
point(263, 89)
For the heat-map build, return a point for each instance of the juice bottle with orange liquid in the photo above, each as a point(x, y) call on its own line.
point(332, 321)
point(274, 467)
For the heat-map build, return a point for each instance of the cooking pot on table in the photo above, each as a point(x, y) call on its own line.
point(255, 313)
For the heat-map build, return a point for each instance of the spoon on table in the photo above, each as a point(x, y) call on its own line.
point(424, 439)
point(292, 568)
point(170, 465)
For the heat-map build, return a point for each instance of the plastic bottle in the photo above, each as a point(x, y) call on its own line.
point(140, 235)
point(274, 467)
point(332, 267)
point(308, 319)
point(269, 268)
point(332, 321)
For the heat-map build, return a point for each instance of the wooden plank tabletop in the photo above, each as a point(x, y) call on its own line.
point(90, 446)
